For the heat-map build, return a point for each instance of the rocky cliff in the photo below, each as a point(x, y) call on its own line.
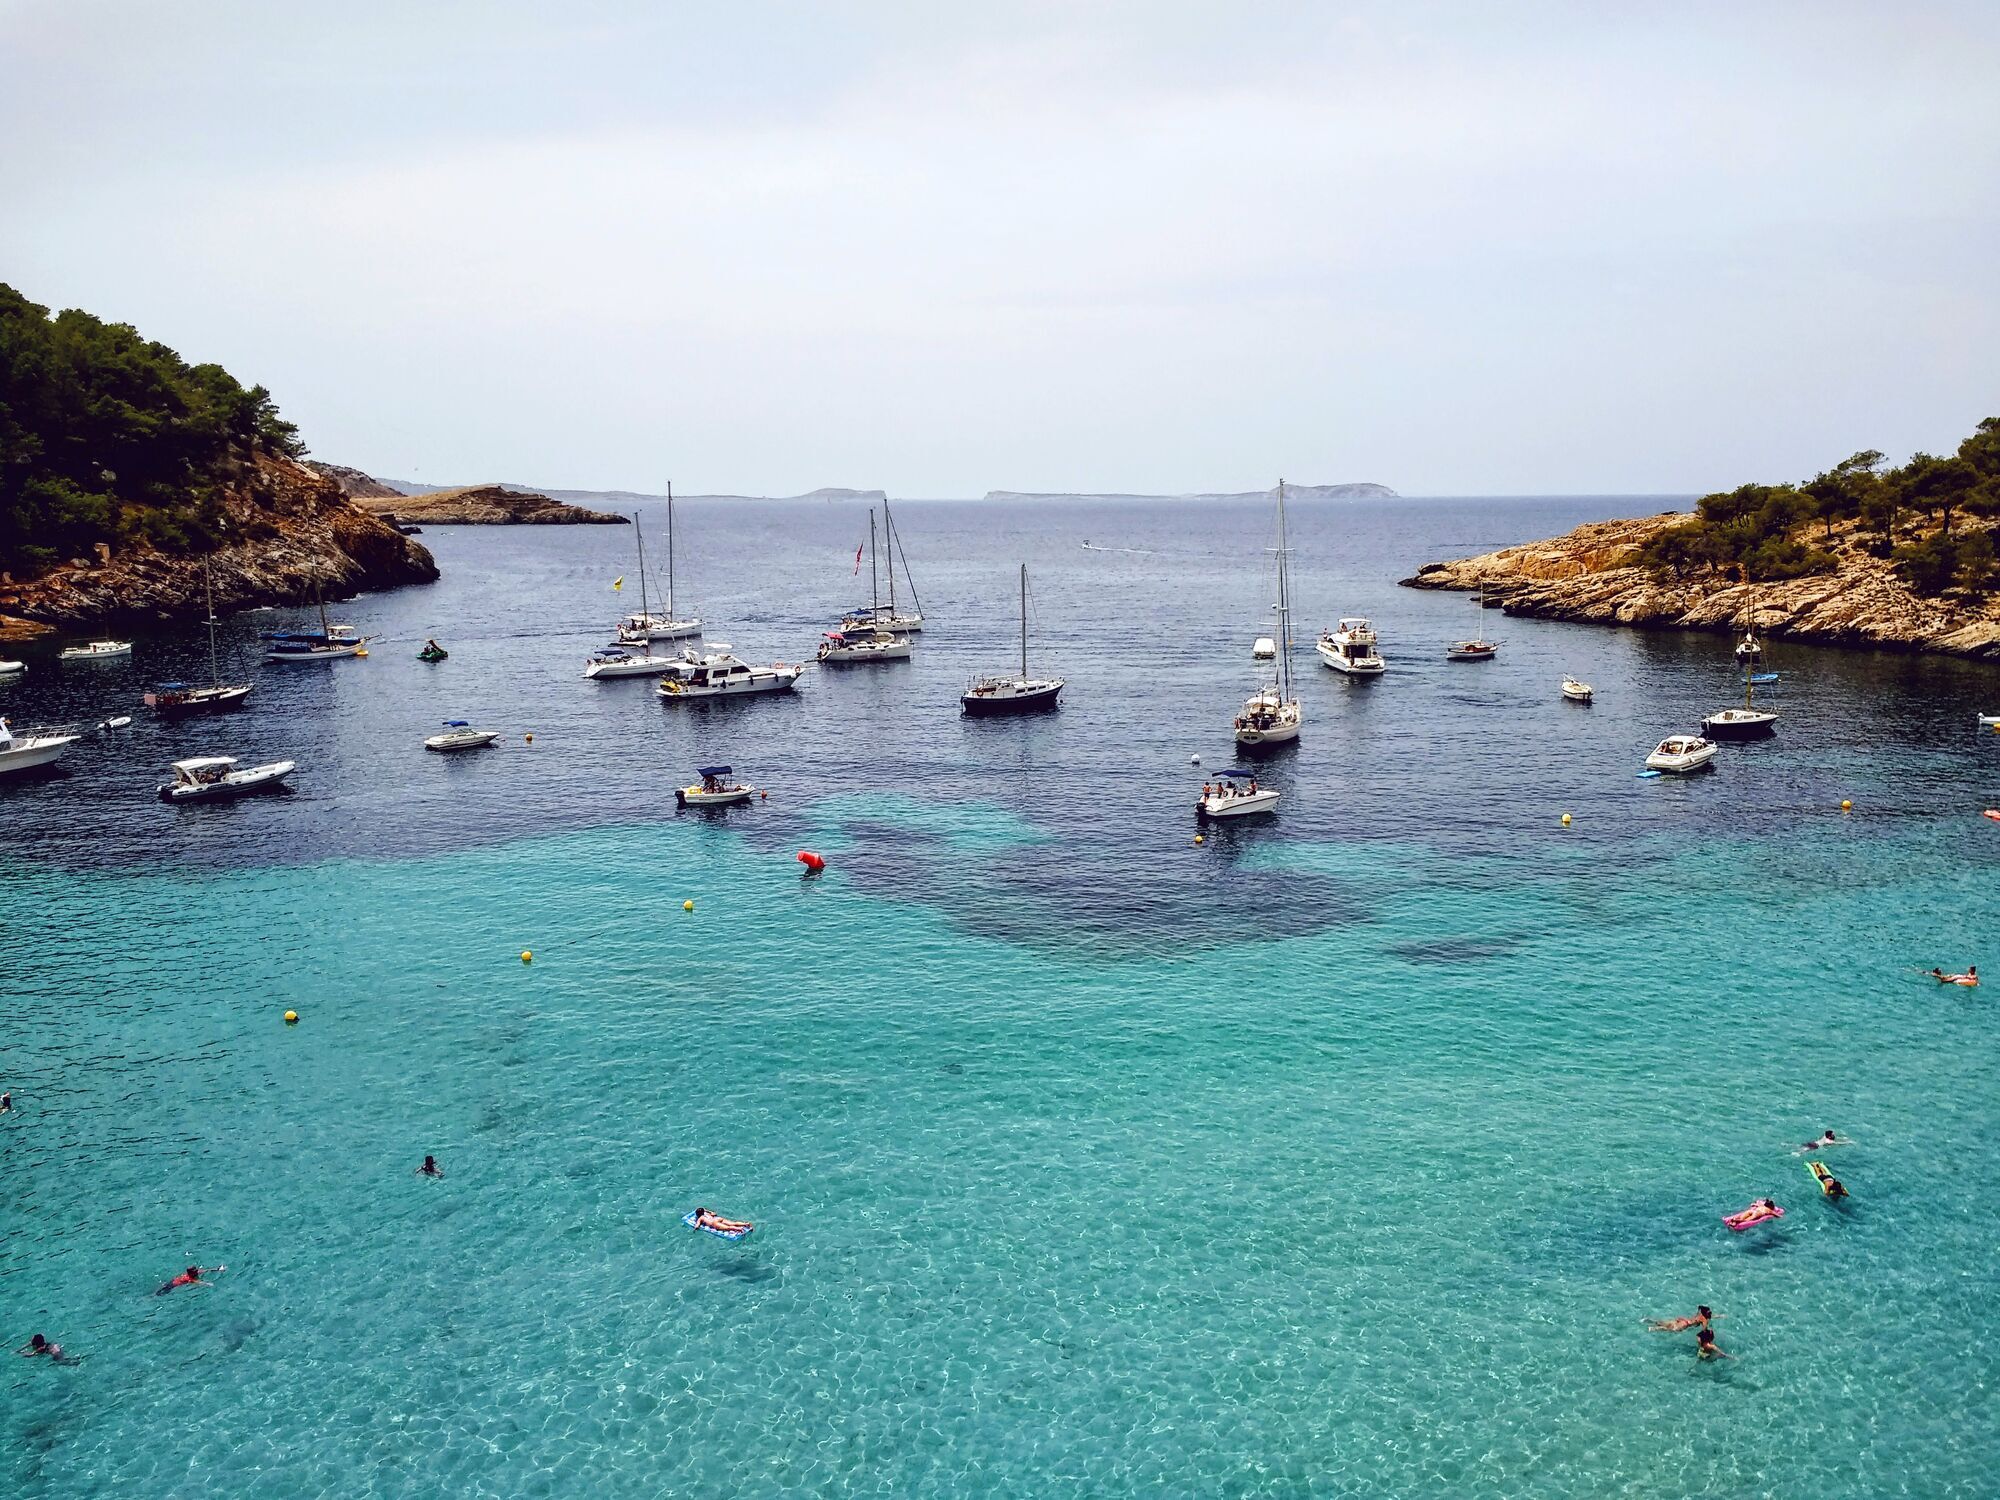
point(1589, 576)
point(289, 531)
point(483, 505)
point(353, 483)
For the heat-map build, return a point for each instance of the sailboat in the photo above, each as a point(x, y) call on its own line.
point(176, 700)
point(1748, 722)
point(862, 637)
point(616, 661)
point(1478, 648)
point(325, 644)
point(988, 696)
point(903, 622)
point(1272, 715)
point(645, 626)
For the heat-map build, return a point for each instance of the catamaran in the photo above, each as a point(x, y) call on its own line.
point(177, 700)
point(991, 696)
point(646, 626)
point(1272, 715)
point(617, 661)
point(905, 622)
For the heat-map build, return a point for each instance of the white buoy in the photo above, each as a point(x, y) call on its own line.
point(1194, 760)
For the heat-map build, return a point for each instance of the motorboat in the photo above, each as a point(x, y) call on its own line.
point(460, 735)
point(891, 616)
point(1748, 648)
point(29, 748)
point(1577, 692)
point(12, 668)
point(719, 673)
point(847, 647)
point(1263, 649)
point(1350, 647)
point(1235, 794)
point(989, 697)
point(716, 789)
point(96, 651)
point(645, 626)
point(1990, 721)
point(215, 778)
point(1678, 754)
point(616, 661)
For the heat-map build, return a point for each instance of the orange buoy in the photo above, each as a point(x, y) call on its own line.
point(811, 861)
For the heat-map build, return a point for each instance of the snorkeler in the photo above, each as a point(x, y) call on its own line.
point(1701, 1319)
point(190, 1277)
point(7, 1102)
point(430, 1168)
point(1705, 1346)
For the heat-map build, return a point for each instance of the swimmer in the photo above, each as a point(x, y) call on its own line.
point(1829, 1139)
point(1701, 1319)
point(39, 1344)
point(430, 1168)
point(191, 1277)
point(6, 1103)
point(703, 1219)
point(1705, 1346)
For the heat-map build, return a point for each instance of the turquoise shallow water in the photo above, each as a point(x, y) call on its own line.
point(1370, 1208)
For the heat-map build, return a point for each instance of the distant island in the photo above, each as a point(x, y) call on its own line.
point(1902, 559)
point(130, 476)
point(1292, 492)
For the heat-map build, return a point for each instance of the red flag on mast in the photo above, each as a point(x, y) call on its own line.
point(857, 563)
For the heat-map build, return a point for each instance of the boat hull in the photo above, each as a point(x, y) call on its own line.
point(640, 666)
point(1755, 726)
point(248, 783)
point(1471, 653)
point(855, 656)
point(450, 744)
point(1367, 666)
point(29, 753)
point(326, 653)
point(1038, 699)
point(695, 797)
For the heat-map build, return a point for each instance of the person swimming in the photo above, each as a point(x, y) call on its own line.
point(1701, 1319)
point(430, 1168)
point(6, 1103)
point(703, 1219)
point(1828, 1139)
point(39, 1344)
point(190, 1277)
point(1705, 1346)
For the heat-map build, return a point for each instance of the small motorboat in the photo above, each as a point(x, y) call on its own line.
point(1990, 721)
point(847, 647)
point(433, 652)
point(122, 721)
point(1235, 794)
point(97, 651)
point(214, 778)
point(1748, 649)
point(33, 747)
point(12, 668)
point(616, 661)
point(1577, 692)
point(460, 735)
point(1678, 754)
point(1263, 649)
point(1350, 647)
point(715, 790)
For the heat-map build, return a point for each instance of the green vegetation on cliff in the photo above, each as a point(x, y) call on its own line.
point(1764, 532)
point(108, 437)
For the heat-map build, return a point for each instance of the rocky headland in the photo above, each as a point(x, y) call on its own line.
point(1592, 576)
point(483, 505)
point(288, 532)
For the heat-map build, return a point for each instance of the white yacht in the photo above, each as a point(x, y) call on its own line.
point(989, 697)
point(12, 668)
point(214, 778)
point(1272, 715)
point(891, 616)
point(1235, 794)
point(1679, 754)
point(1350, 647)
point(718, 673)
point(97, 651)
point(1991, 721)
point(865, 644)
point(646, 626)
point(30, 748)
point(616, 661)
point(1577, 692)
point(460, 735)
point(715, 789)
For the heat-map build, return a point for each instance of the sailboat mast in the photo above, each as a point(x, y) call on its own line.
point(319, 598)
point(1284, 606)
point(208, 594)
point(645, 607)
point(1024, 622)
point(670, 550)
point(889, 528)
point(874, 581)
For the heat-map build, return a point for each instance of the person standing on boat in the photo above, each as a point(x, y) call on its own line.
point(6, 735)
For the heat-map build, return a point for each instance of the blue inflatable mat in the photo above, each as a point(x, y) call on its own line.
point(721, 1234)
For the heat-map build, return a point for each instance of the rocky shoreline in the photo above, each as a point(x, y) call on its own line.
point(1588, 576)
point(293, 535)
point(467, 505)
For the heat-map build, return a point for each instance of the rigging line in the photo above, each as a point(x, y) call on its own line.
point(896, 540)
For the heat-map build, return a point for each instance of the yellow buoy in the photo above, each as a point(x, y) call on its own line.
point(1198, 838)
point(687, 906)
point(527, 956)
point(1846, 806)
point(291, 1018)
point(1565, 820)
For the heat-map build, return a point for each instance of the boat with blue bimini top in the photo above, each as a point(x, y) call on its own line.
point(1235, 793)
point(716, 789)
point(328, 643)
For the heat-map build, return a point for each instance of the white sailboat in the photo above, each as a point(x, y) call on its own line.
point(903, 621)
point(1478, 648)
point(328, 643)
point(646, 626)
point(616, 661)
point(1272, 715)
point(865, 635)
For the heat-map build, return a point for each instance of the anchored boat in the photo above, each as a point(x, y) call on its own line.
point(1272, 715)
point(1235, 794)
point(214, 778)
point(716, 789)
point(988, 697)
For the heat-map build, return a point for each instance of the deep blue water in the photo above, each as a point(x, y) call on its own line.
point(1337, 1155)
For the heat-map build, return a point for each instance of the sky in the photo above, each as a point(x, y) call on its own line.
point(938, 249)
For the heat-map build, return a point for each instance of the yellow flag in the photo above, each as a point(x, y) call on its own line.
point(618, 583)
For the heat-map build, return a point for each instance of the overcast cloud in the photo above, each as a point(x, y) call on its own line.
point(1464, 249)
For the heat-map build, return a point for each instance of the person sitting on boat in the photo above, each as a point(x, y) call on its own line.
point(703, 1219)
point(6, 735)
point(1701, 1319)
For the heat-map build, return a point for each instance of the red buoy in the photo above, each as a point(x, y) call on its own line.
point(811, 861)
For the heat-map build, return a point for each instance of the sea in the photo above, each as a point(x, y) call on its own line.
point(1342, 1152)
